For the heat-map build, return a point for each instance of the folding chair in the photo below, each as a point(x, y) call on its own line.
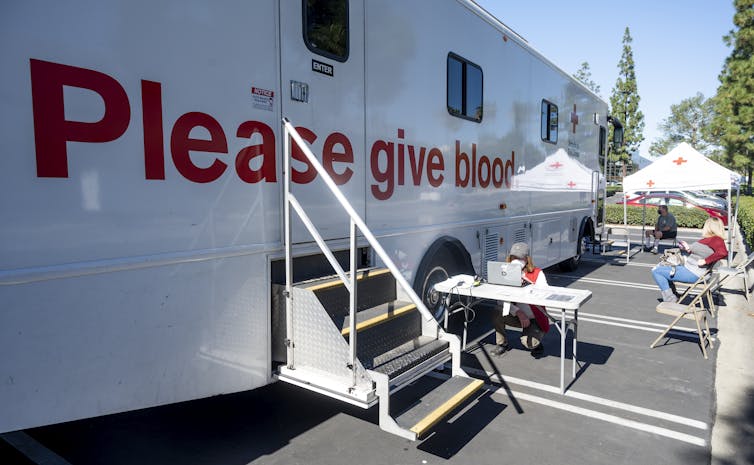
point(707, 291)
point(729, 272)
point(694, 310)
point(620, 238)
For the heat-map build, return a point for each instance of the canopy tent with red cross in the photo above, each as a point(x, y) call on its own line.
point(683, 169)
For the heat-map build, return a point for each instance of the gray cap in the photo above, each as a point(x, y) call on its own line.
point(520, 250)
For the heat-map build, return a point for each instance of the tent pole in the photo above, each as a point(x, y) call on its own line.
point(734, 219)
point(643, 222)
point(625, 225)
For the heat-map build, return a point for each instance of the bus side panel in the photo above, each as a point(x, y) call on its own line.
point(111, 342)
point(407, 121)
point(133, 252)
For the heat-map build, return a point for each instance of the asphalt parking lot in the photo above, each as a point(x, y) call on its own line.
point(629, 404)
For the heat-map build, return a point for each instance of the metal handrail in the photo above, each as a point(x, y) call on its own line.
point(356, 222)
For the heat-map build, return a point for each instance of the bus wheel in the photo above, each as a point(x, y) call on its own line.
point(431, 298)
point(437, 266)
point(573, 263)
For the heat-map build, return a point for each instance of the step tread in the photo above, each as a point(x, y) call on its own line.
point(438, 403)
point(334, 280)
point(375, 315)
point(375, 286)
point(408, 355)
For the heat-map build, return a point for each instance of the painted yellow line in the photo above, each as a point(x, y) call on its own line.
point(437, 414)
point(380, 319)
point(360, 276)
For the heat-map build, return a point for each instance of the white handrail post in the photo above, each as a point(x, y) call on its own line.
point(353, 302)
point(288, 248)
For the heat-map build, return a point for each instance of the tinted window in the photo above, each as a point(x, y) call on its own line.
point(549, 122)
point(465, 92)
point(326, 27)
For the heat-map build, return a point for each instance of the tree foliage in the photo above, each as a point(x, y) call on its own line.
point(735, 97)
point(584, 75)
point(690, 122)
point(624, 103)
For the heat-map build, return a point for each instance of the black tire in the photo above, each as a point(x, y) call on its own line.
point(438, 265)
point(572, 264)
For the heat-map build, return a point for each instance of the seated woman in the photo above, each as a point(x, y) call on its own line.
point(530, 318)
point(702, 255)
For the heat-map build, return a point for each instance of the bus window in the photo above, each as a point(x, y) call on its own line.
point(326, 28)
point(549, 130)
point(464, 89)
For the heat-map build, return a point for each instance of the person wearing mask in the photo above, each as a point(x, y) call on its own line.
point(532, 319)
point(703, 254)
point(665, 228)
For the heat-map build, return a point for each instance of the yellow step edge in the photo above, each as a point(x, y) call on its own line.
point(380, 319)
point(437, 414)
point(361, 275)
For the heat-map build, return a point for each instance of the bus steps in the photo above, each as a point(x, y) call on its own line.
point(395, 347)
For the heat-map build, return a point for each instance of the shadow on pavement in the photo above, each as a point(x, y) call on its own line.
point(450, 437)
point(233, 429)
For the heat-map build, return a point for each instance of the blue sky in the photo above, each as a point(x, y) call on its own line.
point(677, 45)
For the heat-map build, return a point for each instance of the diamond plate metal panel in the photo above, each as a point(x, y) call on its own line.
point(387, 336)
point(318, 343)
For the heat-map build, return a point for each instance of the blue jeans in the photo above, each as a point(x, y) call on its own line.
point(661, 274)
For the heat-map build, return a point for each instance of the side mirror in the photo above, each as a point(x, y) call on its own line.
point(618, 136)
point(617, 131)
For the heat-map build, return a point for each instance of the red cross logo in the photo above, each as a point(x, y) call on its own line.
point(556, 165)
point(571, 184)
point(650, 183)
point(574, 118)
point(679, 161)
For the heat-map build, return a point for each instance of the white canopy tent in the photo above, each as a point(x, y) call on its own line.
point(683, 169)
point(558, 172)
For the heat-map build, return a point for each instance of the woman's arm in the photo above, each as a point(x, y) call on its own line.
point(717, 244)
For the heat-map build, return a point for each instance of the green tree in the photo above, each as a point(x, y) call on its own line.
point(624, 103)
point(689, 121)
point(584, 75)
point(735, 96)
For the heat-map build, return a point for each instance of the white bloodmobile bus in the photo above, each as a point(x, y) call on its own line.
point(142, 179)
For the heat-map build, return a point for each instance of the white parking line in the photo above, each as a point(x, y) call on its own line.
point(623, 261)
point(611, 321)
point(637, 324)
point(677, 435)
point(607, 282)
point(594, 399)
point(633, 424)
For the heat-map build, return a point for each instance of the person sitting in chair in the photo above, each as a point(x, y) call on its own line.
point(665, 228)
point(531, 318)
point(703, 254)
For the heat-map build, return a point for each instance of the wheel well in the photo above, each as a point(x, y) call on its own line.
point(457, 254)
point(587, 228)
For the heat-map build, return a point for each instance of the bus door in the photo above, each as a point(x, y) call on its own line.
point(601, 182)
point(322, 74)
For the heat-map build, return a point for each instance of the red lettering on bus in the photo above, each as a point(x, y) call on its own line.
point(268, 169)
point(151, 113)
point(385, 176)
point(52, 131)
point(330, 156)
point(181, 144)
point(303, 177)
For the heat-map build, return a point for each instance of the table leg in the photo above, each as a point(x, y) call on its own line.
point(562, 349)
point(575, 324)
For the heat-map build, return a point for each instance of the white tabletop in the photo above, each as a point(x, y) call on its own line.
point(547, 296)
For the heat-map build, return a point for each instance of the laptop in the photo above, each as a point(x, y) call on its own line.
point(504, 273)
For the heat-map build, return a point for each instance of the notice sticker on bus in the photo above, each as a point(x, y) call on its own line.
point(262, 99)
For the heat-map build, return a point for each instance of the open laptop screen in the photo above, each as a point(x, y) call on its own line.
point(504, 273)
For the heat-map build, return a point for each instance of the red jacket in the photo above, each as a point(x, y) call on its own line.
point(539, 313)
